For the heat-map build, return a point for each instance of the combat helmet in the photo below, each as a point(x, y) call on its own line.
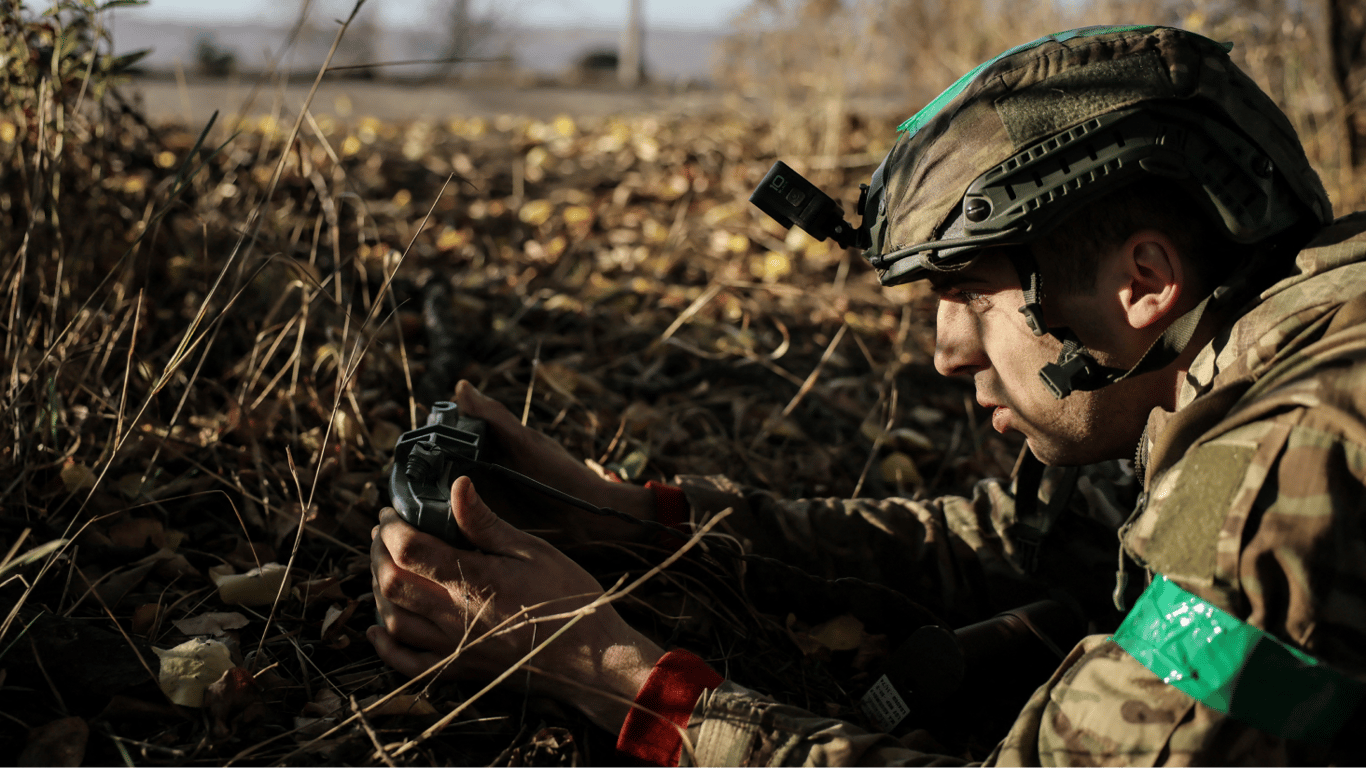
point(1012, 148)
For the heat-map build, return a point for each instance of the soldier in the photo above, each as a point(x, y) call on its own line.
point(1134, 261)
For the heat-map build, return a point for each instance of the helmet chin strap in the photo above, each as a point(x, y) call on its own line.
point(1076, 369)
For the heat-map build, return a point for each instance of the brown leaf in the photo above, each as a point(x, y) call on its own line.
point(77, 476)
point(232, 693)
point(335, 622)
point(176, 566)
point(842, 633)
point(550, 746)
point(900, 469)
point(402, 705)
point(145, 618)
point(59, 743)
point(214, 623)
point(802, 639)
point(309, 592)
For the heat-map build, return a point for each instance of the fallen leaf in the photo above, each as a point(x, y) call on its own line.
point(229, 695)
point(900, 468)
point(37, 553)
point(842, 633)
point(906, 437)
point(259, 586)
point(77, 477)
point(136, 532)
point(216, 624)
point(188, 669)
point(310, 592)
point(145, 617)
point(536, 212)
point(59, 743)
point(325, 703)
point(403, 704)
point(176, 566)
point(335, 621)
point(802, 639)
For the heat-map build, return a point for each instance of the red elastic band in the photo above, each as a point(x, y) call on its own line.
point(671, 505)
point(672, 690)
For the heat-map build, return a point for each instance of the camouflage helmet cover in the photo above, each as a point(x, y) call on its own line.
point(1044, 88)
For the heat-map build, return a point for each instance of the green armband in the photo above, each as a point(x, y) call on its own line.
point(1234, 667)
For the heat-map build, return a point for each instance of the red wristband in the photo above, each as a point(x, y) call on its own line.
point(671, 690)
point(671, 504)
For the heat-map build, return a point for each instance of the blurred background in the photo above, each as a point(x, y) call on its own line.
point(796, 60)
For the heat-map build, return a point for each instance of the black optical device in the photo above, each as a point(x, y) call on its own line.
point(789, 199)
point(426, 461)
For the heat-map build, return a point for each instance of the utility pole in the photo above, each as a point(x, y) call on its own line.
point(460, 28)
point(630, 69)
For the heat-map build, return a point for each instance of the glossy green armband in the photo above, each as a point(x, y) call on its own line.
point(1234, 667)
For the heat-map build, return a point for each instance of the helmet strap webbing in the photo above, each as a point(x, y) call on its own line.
point(1031, 282)
point(1076, 369)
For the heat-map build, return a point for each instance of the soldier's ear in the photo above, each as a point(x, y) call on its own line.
point(1151, 278)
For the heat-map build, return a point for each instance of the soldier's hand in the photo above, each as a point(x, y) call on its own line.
point(432, 599)
point(537, 456)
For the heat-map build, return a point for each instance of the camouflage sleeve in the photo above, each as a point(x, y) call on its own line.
point(732, 725)
point(958, 556)
point(1264, 521)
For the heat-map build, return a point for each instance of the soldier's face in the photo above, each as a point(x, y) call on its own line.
point(981, 333)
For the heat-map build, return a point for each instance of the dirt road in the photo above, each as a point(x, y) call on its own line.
point(195, 100)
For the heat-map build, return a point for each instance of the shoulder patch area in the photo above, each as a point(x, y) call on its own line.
point(1183, 542)
point(1193, 525)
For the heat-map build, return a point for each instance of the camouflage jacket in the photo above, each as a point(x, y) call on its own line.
point(1254, 503)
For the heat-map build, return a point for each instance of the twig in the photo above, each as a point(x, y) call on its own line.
point(370, 731)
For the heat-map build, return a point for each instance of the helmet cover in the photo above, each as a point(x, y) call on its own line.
point(1034, 99)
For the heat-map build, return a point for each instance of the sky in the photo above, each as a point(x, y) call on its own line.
point(556, 13)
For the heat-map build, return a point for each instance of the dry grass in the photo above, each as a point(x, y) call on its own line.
point(211, 346)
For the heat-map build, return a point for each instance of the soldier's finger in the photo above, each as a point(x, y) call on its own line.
point(419, 553)
point(403, 587)
point(411, 628)
point(406, 661)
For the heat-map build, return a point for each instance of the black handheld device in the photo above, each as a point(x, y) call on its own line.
point(426, 461)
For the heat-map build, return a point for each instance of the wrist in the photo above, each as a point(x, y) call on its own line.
point(610, 679)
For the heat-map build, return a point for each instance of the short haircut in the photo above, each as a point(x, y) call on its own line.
point(1075, 246)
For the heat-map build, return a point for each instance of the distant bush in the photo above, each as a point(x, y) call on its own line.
point(212, 59)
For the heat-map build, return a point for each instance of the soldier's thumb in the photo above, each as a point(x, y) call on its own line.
point(480, 525)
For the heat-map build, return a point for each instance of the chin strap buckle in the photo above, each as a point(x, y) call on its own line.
point(1072, 371)
point(1033, 314)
